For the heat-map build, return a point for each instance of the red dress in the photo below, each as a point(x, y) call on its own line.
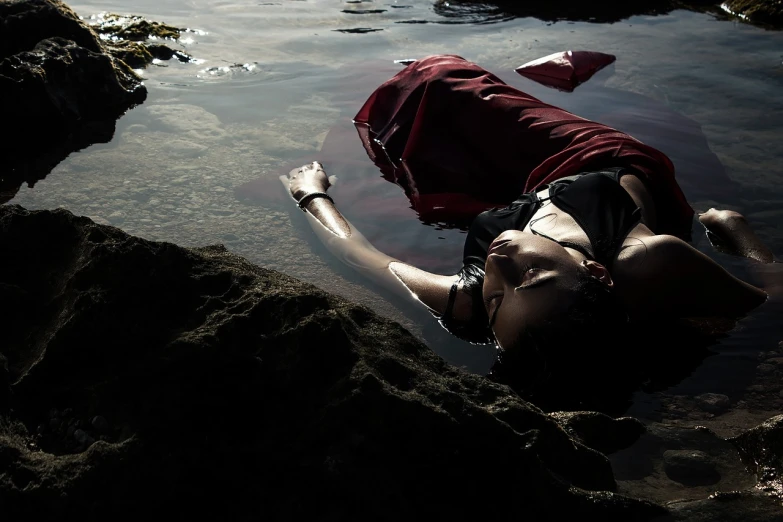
point(460, 141)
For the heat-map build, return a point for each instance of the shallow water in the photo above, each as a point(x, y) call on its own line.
point(278, 82)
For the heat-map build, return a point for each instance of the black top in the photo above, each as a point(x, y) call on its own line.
point(596, 201)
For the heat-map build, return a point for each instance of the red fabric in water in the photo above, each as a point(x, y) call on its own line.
point(460, 141)
point(565, 70)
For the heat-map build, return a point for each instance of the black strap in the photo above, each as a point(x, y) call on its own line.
point(312, 195)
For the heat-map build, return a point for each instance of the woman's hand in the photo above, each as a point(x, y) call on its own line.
point(306, 179)
point(715, 218)
point(730, 232)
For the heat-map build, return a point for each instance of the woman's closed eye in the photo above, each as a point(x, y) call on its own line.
point(531, 277)
point(492, 302)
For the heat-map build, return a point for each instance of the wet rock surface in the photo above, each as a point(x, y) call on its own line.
point(762, 450)
point(142, 370)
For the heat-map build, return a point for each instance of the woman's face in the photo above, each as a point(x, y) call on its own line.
point(528, 279)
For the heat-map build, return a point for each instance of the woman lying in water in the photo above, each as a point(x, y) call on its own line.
point(586, 230)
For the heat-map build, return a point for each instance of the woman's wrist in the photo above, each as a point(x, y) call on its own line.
point(305, 200)
point(298, 194)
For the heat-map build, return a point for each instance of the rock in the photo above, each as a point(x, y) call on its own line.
point(134, 54)
point(767, 12)
point(713, 402)
point(59, 89)
point(243, 387)
point(690, 467)
point(761, 449)
point(135, 28)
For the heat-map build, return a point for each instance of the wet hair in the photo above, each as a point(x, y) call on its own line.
point(569, 351)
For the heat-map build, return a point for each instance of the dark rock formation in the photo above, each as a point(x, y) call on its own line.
point(59, 90)
point(144, 377)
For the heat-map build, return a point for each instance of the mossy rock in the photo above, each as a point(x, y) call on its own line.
point(135, 28)
point(134, 54)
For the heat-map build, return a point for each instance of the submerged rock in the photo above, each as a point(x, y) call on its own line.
point(691, 467)
point(254, 393)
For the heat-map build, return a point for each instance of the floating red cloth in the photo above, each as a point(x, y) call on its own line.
point(459, 140)
point(565, 70)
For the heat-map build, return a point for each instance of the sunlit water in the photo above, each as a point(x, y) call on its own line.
point(278, 83)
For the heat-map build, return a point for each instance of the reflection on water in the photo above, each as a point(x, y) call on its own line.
point(198, 162)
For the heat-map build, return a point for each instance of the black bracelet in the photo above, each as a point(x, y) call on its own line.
point(312, 195)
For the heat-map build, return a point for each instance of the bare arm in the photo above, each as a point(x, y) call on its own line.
point(351, 247)
point(675, 279)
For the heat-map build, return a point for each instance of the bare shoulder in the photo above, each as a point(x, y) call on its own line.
point(430, 289)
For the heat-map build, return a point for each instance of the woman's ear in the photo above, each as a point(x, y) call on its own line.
point(598, 271)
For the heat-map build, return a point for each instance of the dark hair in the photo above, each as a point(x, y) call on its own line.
point(569, 350)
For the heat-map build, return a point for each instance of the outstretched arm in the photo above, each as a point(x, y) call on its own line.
point(351, 247)
point(730, 232)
